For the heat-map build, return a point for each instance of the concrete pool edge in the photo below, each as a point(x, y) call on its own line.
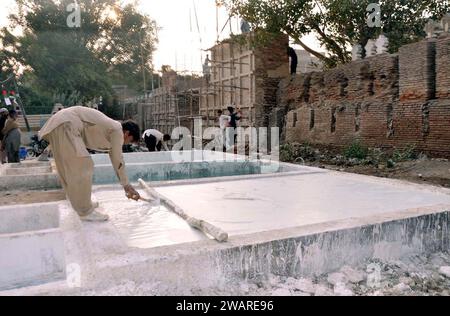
point(106, 260)
point(312, 250)
point(298, 251)
point(32, 250)
point(312, 170)
point(50, 180)
point(300, 231)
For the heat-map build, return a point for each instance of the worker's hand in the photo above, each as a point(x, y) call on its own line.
point(131, 193)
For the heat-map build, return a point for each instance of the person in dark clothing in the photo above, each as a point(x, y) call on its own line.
point(155, 140)
point(11, 142)
point(3, 117)
point(294, 60)
point(234, 118)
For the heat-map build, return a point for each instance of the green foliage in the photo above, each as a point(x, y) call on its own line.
point(356, 151)
point(68, 99)
point(114, 45)
point(114, 110)
point(339, 24)
point(405, 154)
point(297, 152)
point(287, 153)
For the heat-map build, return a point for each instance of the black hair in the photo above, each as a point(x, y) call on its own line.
point(12, 112)
point(220, 112)
point(167, 137)
point(133, 129)
point(231, 109)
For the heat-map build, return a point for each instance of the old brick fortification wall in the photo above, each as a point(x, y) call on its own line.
point(386, 101)
point(271, 66)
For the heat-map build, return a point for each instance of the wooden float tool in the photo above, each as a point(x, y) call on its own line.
point(198, 224)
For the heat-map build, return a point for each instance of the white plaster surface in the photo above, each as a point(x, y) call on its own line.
point(141, 224)
point(248, 206)
point(132, 246)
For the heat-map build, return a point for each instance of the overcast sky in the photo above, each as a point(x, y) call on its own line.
point(179, 38)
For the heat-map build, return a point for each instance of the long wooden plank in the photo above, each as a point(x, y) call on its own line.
point(199, 224)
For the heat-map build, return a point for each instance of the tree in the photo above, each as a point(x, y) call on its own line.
point(338, 24)
point(113, 45)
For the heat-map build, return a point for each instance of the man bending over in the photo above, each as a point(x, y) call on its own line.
point(70, 133)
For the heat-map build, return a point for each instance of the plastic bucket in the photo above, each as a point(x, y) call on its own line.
point(23, 153)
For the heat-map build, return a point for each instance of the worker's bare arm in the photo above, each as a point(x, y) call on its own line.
point(116, 157)
point(118, 163)
point(131, 192)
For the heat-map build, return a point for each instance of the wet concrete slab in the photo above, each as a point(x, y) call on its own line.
point(298, 223)
point(293, 225)
point(248, 206)
point(251, 206)
point(143, 225)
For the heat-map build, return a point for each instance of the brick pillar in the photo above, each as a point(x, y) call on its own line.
point(418, 71)
point(443, 68)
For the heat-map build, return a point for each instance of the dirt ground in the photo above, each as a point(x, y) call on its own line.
point(30, 197)
point(427, 171)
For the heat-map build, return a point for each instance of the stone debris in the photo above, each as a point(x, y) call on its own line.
point(352, 275)
point(402, 288)
point(341, 290)
point(322, 290)
point(413, 276)
point(421, 275)
point(281, 292)
point(301, 294)
point(445, 271)
point(302, 285)
point(337, 278)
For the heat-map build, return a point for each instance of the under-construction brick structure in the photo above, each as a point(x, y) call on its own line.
point(175, 104)
point(246, 78)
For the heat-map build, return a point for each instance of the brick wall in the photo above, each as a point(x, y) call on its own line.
point(384, 101)
point(417, 71)
point(271, 66)
point(443, 68)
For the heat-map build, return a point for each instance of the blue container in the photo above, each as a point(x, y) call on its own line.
point(23, 153)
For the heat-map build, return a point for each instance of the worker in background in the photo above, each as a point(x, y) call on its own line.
point(245, 27)
point(224, 123)
point(235, 117)
point(11, 140)
point(3, 117)
point(207, 70)
point(70, 133)
point(294, 60)
point(155, 140)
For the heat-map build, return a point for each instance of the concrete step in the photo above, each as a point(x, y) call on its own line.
point(32, 246)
